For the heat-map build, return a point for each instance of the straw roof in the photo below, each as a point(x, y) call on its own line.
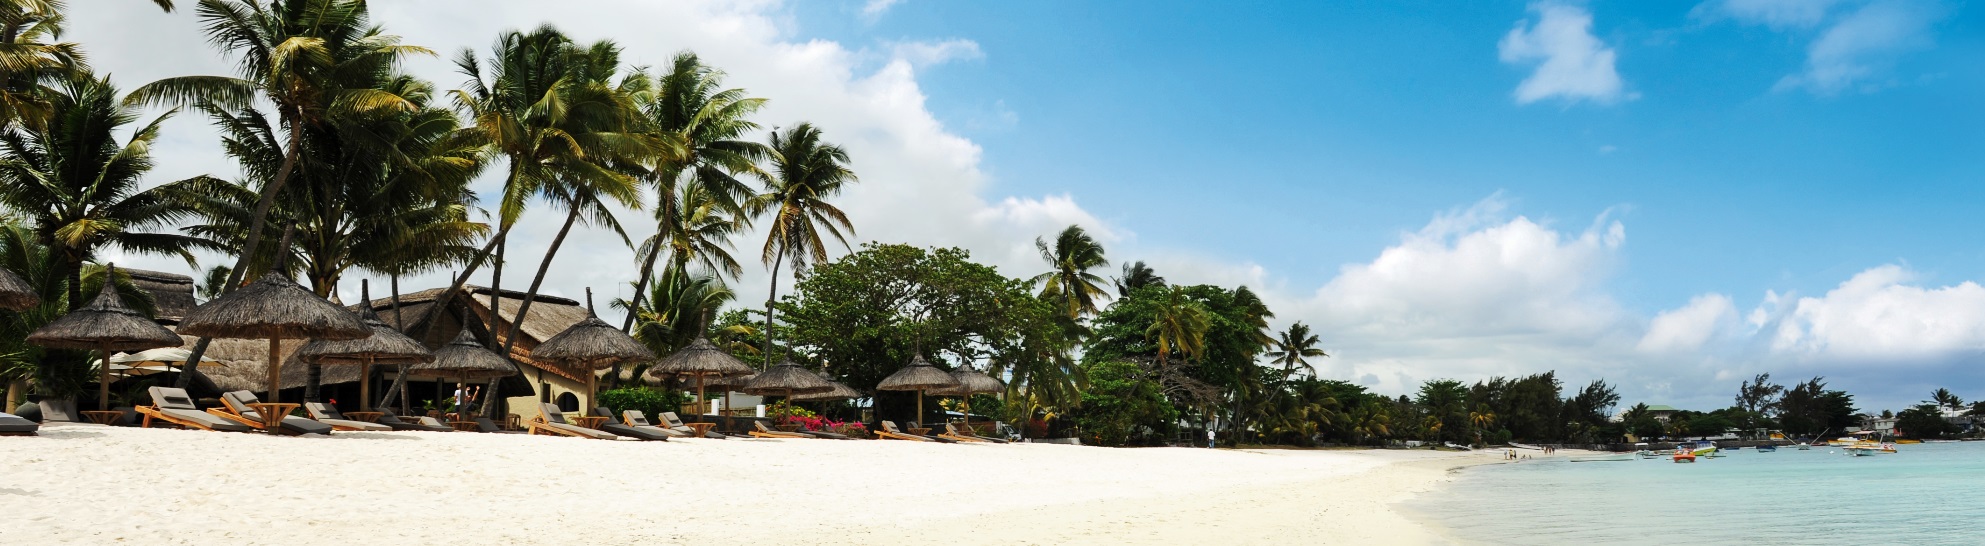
point(787, 379)
point(701, 357)
point(971, 382)
point(464, 358)
point(385, 345)
point(172, 293)
point(15, 293)
point(104, 324)
point(917, 376)
point(592, 343)
point(840, 392)
point(550, 315)
point(729, 381)
point(272, 307)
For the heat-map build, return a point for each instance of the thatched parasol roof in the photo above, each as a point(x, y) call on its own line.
point(971, 382)
point(703, 358)
point(840, 392)
point(592, 343)
point(272, 307)
point(384, 346)
point(917, 376)
point(463, 358)
point(104, 324)
point(729, 381)
point(787, 379)
point(15, 293)
point(172, 293)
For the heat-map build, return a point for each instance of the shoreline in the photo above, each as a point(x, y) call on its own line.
point(89, 483)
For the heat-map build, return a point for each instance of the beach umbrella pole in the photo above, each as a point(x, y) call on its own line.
point(275, 370)
point(365, 385)
point(103, 382)
point(701, 404)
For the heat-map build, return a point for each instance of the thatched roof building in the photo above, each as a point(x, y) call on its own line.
point(171, 293)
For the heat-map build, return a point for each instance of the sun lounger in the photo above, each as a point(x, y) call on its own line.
point(387, 418)
point(483, 424)
point(175, 406)
point(239, 410)
point(329, 415)
point(889, 431)
point(11, 425)
point(613, 425)
point(675, 423)
point(761, 431)
point(951, 431)
point(636, 419)
point(553, 423)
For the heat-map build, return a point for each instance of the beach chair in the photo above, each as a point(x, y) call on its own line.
point(175, 406)
point(614, 426)
point(13, 425)
point(636, 419)
point(890, 432)
point(552, 423)
point(759, 430)
point(953, 432)
point(675, 423)
point(237, 409)
point(386, 417)
point(329, 415)
point(483, 424)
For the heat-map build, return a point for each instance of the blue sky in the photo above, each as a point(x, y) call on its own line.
point(1669, 195)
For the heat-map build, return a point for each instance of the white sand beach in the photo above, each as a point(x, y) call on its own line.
point(86, 484)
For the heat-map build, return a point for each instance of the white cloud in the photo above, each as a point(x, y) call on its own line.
point(921, 54)
point(1857, 47)
point(875, 8)
point(1878, 316)
point(1688, 328)
point(1571, 63)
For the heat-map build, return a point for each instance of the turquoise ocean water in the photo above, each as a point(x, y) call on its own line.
point(1931, 494)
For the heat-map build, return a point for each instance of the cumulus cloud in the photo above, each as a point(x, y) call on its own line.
point(1879, 316)
point(1856, 42)
point(875, 8)
point(1569, 62)
point(1689, 327)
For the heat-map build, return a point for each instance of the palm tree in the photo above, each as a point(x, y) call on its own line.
point(1295, 348)
point(1481, 419)
point(82, 190)
point(1180, 325)
point(1137, 275)
point(1068, 281)
point(1257, 314)
point(681, 307)
point(698, 196)
point(55, 372)
point(805, 172)
point(1369, 420)
point(1945, 399)
point(27, 59)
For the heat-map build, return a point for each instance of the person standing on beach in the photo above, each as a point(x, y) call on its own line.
point(1209, 437)
point(464, 395)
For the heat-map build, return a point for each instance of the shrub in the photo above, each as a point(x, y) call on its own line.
point(649, 402)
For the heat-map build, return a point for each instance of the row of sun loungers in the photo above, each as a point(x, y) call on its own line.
point(11, 425)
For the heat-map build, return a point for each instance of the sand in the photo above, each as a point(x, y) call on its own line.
point(87, 484)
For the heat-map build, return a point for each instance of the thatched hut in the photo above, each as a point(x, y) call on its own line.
point(542, 381)
point(172, 294)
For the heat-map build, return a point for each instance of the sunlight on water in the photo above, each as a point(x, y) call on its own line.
point(1926, 494)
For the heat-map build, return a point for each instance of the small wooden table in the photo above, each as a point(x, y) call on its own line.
point(590, 421)
point(702, 429)
point(366, 416)
point(272, 414)
point(102, 417)
point(464, 426)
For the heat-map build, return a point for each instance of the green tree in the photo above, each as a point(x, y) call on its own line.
point(83, 191)
point(682, 305)
point(1068, 281)
point(1294, 349)
point(1178, 324)
point(1123, 406)
point(28, 58)
point(1810, 408)
point(805, 172)
point(1924, 421)
point(1136, 276)
point(1446, 404)
point(1946, 399)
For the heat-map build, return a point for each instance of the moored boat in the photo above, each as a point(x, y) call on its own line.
point(1767, 448)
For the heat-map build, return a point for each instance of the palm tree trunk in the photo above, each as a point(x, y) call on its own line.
point(495, 308)
point(634, 305)
point(523, 309)
point(75, 282)
point(771, 295)
point(247, 252)
point(440, 304)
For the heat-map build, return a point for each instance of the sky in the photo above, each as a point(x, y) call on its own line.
point(1671, 196)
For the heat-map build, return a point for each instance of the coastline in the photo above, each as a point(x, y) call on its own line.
point(87, 483)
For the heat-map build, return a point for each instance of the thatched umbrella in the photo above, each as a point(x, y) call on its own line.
point(787, 379)
point(730, 383)
point(15, 293)
point(919, 376)
point(463, 358)
point(969, 383)
point(840, 392)
point(105, 325)
point(592, 344)
point(385, 346)
point(272, 308)
point(702, 360)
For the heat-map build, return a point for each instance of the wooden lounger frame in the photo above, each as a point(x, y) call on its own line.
point(889, 432)
point(152, 412)
point(759, 431)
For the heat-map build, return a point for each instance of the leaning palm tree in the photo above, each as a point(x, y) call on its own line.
point(1294, 350)
point(82, 190)
point(1256, 313)
point(1068, 281)
point(1180, 325)
point(698, 195)
point(28, 59)
point(1137, 275)
point(805, 172)
point(681, 306)
point(1945, 399)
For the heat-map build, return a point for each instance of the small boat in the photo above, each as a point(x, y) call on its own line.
point(1805, 446)
point(1641, 450)
point(1861, 451)
point(1685, 455)
point(1603, 458)
point(1767, 448)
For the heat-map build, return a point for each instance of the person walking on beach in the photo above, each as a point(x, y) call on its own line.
point(1209, 437)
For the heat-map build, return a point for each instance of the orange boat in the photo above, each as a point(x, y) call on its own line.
point(1685, 456)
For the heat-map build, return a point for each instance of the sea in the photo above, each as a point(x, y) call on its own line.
point(1928, 494)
